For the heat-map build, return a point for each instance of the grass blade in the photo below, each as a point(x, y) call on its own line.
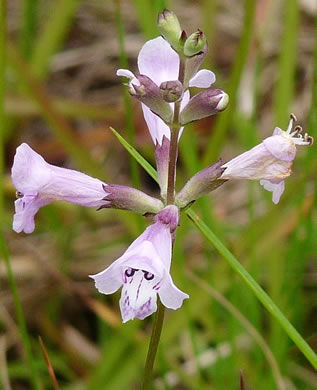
point(61, 15)
point(255, 288)
point(28, 30)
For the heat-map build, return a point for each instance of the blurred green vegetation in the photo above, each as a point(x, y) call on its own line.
point(59, 93)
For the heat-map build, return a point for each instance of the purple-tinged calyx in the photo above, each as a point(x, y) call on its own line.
point(194, 44)
point(169, 216)
point(127, 198)
point(171, 91)
point(270, 161)
point(201, 184)
point(204, 104)
point(147, 92)
point(143, 271)
point(39, 183)
point(170, 29)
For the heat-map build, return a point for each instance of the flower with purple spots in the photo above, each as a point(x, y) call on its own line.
point(143, 270)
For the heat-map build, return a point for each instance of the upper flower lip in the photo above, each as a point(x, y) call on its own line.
point(29, 172)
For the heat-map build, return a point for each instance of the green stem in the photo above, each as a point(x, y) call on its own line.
point(174, 128)
point(159, 317)
point(155, 338)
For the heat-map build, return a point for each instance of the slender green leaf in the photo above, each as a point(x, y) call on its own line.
point(28, 30)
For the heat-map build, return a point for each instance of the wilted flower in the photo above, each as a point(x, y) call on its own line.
point(143, 271)
point(270, 161)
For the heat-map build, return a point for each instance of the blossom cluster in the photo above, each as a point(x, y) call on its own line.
point(168, 68)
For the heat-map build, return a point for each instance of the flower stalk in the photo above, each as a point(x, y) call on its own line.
point(154, 342)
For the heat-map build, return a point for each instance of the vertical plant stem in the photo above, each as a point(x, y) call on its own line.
point(155, 338)
point(172, 165)
point(174, 128)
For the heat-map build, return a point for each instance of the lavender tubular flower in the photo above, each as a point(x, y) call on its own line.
point(143, 271)
point(39, 183)
point(271, 161)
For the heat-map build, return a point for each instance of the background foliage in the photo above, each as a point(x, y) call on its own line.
point(59, 93)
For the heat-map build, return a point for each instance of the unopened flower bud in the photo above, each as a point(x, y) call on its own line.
point(201, 184)
point(170, 29)
point(149, 94)
point(127, 198)
point(194, 44)
point(171, 91)
point(204, 104)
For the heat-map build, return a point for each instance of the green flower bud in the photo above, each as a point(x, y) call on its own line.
point(194, 44)
point(170, 29)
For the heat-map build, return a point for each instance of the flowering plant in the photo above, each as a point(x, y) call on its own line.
point(169, 67)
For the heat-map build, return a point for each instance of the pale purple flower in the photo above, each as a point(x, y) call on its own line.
point(158, 61)
point(270, 161)
point(39, 183)
point(143, 271)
